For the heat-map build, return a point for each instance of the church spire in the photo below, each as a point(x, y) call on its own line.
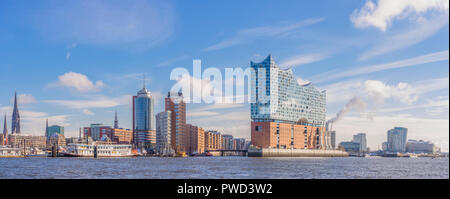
point(15, 122)
point(46, 128)
point(116, 122)
point(5, 132)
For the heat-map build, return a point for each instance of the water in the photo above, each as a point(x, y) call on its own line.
point(224, 167)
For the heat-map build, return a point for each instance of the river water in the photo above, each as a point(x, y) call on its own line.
point(223, 167)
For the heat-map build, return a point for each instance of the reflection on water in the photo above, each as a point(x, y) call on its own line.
point(224, 167)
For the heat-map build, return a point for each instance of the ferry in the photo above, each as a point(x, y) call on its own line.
point(100, 149)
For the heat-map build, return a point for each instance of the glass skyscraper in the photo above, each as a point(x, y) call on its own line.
point(143, 118)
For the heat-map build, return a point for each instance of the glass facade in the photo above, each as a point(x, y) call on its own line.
point(144, 115)
point(277, 97)
point(55, 129)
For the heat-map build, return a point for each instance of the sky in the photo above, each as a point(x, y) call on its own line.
point(77, 62)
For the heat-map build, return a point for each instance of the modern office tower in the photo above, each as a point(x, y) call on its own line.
point(361, 139)
point(213, 140)
point(15, 122)
point(285, 114)
point(196, 137)
point(5, 132)
point(164, 132)
point(175, 104)
point(116, 122)
point(228, 142)
point(333, 139)
point(54, 129)
point(396, 139)
point(414, 146)
point(143, 119)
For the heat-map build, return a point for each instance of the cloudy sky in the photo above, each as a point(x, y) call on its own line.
point(76, 62)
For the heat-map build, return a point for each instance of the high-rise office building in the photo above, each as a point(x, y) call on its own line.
point(164, 132)
point(15, 121)
point(175, 104)
point(284, 113)
point(361, 139)
point(144, 133)
point(396, 139)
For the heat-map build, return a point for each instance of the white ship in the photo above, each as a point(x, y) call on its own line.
point(100, 149)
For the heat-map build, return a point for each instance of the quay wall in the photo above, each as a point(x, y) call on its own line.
point(268, 152)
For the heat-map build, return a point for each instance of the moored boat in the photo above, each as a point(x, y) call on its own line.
point(99, 150)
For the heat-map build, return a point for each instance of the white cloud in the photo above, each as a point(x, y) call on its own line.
point(95, 102)
point(247, 35)
point(423, 29)
point(24, 99)
point(301, 60)
point(78, 82)
point(384, 12)
point(428, 58)
point(380, 91)
point(87, 112)
point(406, 93)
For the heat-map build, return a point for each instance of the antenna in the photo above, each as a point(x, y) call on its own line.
point(144, 80)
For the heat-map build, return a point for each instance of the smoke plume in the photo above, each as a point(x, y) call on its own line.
point(354, 103)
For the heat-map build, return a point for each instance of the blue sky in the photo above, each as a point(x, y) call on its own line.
point(76, 62)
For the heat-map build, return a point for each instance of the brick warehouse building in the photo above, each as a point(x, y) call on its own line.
point(284, 113)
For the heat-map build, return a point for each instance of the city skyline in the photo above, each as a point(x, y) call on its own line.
point(79, 79)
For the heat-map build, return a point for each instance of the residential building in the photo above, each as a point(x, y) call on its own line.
point(175, 104)
point(361, 139)
point(121, 136)
point(196, 139)
point(164, 131)
point(144, 132)
point(213, 140)
point(18, 141)
point(396, 139)
point(228, 142)
point(284, 113)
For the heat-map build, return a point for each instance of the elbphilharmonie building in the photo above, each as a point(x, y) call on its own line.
point(284, 113)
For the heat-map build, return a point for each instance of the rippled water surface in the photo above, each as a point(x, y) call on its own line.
point(224, 167)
